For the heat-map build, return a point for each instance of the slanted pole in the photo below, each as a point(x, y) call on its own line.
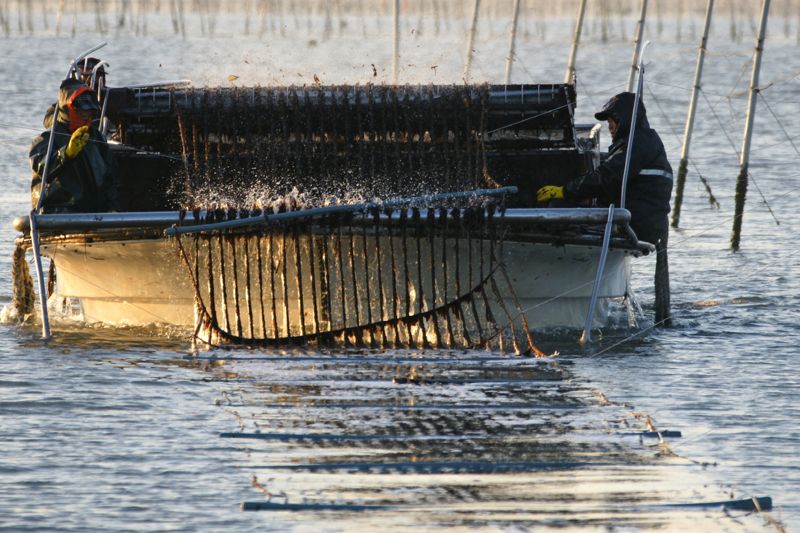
point(40, 283)
point(471, 40)
point(744, 157)
point(396, 49)
point(512, 44)
point(586, 336)
point(637, 46)
point(576, 38)
point(687, 132)
point(634, 119)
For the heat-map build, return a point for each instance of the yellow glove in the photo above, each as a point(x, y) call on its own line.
point(549, 192)
point(77, 142)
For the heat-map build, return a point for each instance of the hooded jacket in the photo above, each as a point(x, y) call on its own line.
point(85, 184)
point(650, 177)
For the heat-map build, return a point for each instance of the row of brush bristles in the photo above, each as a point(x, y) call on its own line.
point(221, 213)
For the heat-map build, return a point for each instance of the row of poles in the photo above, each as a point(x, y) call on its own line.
point(753, 92)
point(744, 154)
point(609, 18)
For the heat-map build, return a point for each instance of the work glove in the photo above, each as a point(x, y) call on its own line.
point(77, 142)
point(549, 192)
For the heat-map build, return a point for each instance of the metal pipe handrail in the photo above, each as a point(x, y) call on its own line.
point(338, 209)
point(163, 219)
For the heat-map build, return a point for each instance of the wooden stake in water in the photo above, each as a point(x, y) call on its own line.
point(573, 53)
point(637, 46)
point(744, 157)
point(396, 50)
point(687, 132)
point(513, 41)
point(471, 40)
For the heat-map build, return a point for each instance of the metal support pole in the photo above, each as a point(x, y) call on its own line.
point(396, 50)
point(687, 132)
point(40, 283)
point(576, 38)
point(634, 119)
point(471, 40)
point(598, 278)
point(512, 44)
point(637, 46)
point(744, 157)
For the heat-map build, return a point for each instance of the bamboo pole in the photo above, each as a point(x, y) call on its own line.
point(744, 157)
point(733, 24)
point(637, 46)
point(604, 16)
point(659, 20)
point(512, 41)
point(471, 40)
point(621, 12)
point(787, 15)
point(396, 42)
point(576, 38)
point(687, 132)
point(59, 15)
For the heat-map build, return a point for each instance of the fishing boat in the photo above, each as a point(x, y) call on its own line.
point(401, 215)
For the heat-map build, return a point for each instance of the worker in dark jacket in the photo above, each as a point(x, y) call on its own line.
point(81, 175)
point(649, 179)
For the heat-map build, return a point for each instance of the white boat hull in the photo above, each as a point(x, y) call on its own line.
point(144, 282)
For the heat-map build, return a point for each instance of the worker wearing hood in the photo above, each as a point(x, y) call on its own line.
point(650, 175)
point(81, 176)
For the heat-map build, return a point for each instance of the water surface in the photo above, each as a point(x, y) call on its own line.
point(112, 430)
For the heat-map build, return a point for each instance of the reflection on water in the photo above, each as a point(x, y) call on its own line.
point(445, 439)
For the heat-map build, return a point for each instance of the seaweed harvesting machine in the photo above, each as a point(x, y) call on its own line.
point(356, 215)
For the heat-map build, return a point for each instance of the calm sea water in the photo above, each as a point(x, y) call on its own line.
point(120, 430)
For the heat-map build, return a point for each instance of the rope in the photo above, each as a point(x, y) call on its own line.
point(733, 146)
point(711, 198)
point(780, 125)
point(544, 113)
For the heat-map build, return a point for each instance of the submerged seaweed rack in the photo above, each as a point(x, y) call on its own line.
point(445, 438)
